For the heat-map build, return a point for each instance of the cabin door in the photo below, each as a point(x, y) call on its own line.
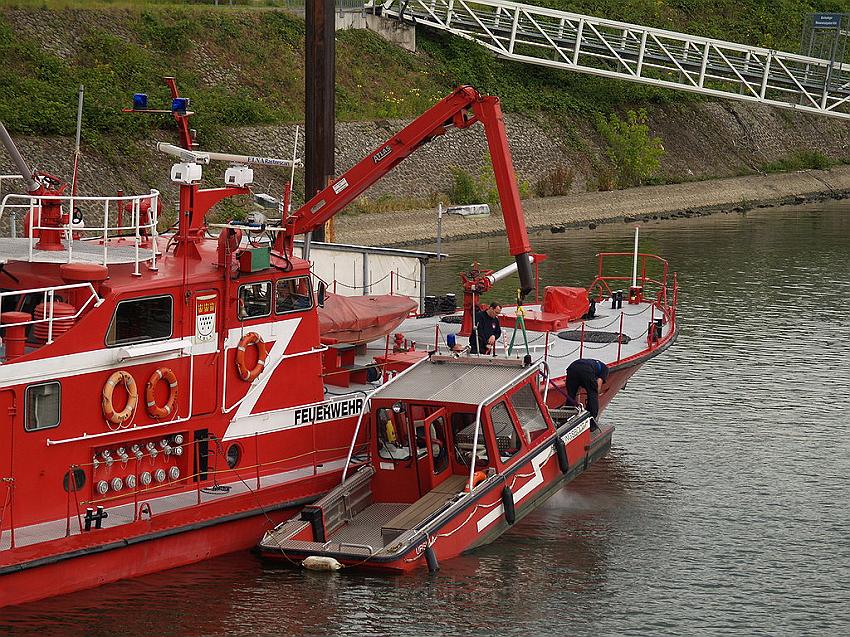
point(432, 451)
point(205, 361)
point(7, 418)
point(7, 421)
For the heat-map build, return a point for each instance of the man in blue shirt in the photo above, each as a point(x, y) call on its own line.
point(487, 330)
point(589, 374)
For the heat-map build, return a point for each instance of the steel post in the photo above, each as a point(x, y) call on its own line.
point(320, 104)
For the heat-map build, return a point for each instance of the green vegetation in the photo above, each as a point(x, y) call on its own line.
point(466, 189)
point(801, 160)
point(470, 189)
point(635, 153)
point(242, 66)
point(238, 68)
point(556, 183)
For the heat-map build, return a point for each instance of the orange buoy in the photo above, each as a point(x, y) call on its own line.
point(251, 338)
point(120, 417)
point(163, 373)
point(477, 478)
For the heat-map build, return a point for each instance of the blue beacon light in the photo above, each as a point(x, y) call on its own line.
point(180, 104)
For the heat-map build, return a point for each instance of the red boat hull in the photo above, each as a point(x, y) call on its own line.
point(144, 547)
point(530, 483)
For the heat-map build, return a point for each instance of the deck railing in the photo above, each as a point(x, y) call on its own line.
point(113, 212)
point(49, 296)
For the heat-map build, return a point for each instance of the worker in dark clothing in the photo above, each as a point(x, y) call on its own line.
point(590, 374)
point(487, 330)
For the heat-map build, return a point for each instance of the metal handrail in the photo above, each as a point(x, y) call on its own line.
point(34, 206)
point(526, 371)
point(620, 50)
point(49, 299)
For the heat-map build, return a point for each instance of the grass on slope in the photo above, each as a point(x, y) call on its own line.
point(246, 67)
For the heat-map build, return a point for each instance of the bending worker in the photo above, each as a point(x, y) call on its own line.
point(590, 374)
point(487, 330)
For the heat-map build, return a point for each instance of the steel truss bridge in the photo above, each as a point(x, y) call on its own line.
point(619, 50)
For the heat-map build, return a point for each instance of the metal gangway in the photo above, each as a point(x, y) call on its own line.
point(624, 51)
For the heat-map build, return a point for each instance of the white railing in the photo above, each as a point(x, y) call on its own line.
point(585, 44)
point(48, 298)
point(105, 208)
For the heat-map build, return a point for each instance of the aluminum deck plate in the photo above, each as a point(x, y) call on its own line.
point(81, 252)
point(365, 528)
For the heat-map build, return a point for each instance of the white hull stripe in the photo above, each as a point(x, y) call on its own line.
point(80, 363)
point(267, 422)
point(536, 480)
point(281, 332)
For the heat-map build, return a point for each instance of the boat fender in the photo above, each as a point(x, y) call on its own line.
point(150, 393)
point(431, 559)
point(321, 563)
point(251, 338)
point(119, 417)
point(477, 478)
point(508, 505)
point(561, 452)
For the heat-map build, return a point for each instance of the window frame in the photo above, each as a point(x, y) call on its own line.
point(383, 444)
point(27, 403)
point(112, 321)
point(483, 440)
point(309, 294)
point(518, 431)
point(528, 437)
point(271, 285)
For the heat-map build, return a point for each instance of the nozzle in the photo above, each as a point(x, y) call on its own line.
point(526, 276)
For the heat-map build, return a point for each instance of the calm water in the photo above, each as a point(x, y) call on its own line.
point(723, 507)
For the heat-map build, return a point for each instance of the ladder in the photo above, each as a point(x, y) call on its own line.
point(624, 51)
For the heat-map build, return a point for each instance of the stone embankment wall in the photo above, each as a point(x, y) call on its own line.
point(702, 140)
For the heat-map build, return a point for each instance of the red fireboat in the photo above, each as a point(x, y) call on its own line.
point(169, 396)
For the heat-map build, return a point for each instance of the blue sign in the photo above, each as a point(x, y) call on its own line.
point(827, 20)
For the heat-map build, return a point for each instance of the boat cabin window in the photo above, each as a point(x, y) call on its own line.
point(43, 406)
point(293, 295)
point(439, 447)
point(528, 412)
point(255, 300)
point(508, 439)
point(463, 434)
point(141, 320)
point(437, 433)
point(393, 435)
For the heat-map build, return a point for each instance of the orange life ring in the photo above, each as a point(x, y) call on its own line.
point(251, 338)
point(150, 399)
point(119, 417)
point(477, 478)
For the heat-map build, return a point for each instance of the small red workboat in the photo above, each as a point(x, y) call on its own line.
point(458, 450)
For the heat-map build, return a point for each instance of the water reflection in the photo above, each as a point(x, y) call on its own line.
point(721, 509)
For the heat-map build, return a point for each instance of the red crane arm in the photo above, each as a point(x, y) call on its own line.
point(461, 109)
